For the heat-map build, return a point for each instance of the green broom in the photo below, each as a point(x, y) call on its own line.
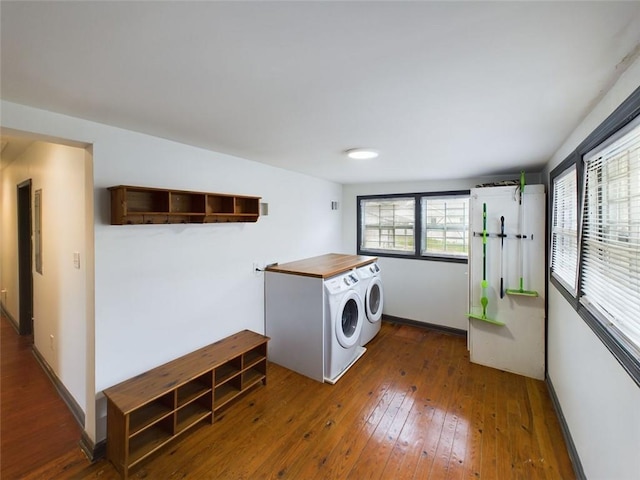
point(484, 300)
point(521, 237)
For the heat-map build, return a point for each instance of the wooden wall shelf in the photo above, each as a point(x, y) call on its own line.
point(144, 205)
point(146, 412)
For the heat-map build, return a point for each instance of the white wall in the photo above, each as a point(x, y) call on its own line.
point(162, 291)
point(9, 245)
point(421, 290)
point(597, 397)
point(59, 296)
point(156, 283)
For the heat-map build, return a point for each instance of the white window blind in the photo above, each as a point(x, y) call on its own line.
point(564, 229)
point(611, 234)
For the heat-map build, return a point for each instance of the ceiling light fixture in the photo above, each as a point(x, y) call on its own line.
point(361, 153)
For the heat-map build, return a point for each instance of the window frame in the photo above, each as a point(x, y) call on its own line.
point(384, 252)
point(423, 228)
point(417, 246)
point(558, 173)
point(619, 346)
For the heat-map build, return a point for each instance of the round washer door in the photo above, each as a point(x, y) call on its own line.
point(348, 321)
point(374, 300)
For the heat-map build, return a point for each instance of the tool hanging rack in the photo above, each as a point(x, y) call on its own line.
point(503, 235)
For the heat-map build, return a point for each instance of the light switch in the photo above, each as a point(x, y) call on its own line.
point(76, 260)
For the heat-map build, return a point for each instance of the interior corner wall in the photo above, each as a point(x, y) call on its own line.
point(59, 291)
point(164, 290)
point(598, 399)
point(420, 290)
point(90, 386)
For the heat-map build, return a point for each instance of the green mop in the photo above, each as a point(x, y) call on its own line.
point(484, 300)
point(521, 238)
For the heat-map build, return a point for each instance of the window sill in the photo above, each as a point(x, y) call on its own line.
point(411, 256)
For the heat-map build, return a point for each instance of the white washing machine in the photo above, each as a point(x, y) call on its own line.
point(373, 299)
point(314, 315)
point(344, 319)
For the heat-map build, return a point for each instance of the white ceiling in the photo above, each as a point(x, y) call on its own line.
point(441, 89)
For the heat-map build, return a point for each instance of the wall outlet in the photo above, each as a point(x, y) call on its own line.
point(51, 338)
point(76, 260)
point(258, 268)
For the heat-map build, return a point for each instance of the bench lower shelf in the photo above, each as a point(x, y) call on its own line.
point(152, 409)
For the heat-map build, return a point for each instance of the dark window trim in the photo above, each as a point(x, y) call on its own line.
point(572, 159)
point(417, 226)
point(620, 118)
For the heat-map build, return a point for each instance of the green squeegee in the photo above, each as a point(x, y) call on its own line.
point(520, 290)
point(484, 300)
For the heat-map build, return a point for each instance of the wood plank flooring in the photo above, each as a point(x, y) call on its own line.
point(413, 407)
point(36, 426)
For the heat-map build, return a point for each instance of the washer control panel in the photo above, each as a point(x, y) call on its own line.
point(342, 282)
point(369, 271)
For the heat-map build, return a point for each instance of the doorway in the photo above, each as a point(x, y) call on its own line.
point(25, 267)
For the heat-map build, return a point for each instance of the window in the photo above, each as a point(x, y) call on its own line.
point(388, 225)
point(601, 277)
point(445, 226)
point(430, 226)
point(564, 229)
point(611, 234)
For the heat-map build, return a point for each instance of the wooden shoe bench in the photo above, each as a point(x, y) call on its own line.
point(150, 410)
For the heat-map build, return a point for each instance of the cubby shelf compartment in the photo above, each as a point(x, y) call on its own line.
point(228, 371)
point(145, 205)
point(148, 411)
point(143, 445)
point(150, 414)
point(193, 413)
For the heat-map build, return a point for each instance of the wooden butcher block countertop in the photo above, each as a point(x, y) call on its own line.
point(324, 266)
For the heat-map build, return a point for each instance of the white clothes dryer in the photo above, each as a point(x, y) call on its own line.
point(344, 318)
point(373, 299)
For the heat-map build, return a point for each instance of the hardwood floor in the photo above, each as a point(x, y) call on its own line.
point(413, 407)
point(36, 426)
